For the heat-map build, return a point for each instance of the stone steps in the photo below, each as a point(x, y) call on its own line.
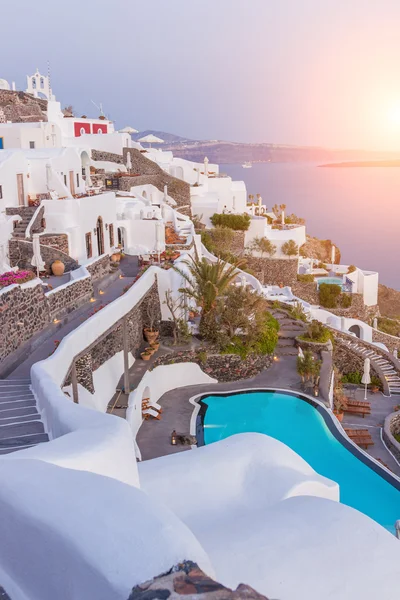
point(391, 375)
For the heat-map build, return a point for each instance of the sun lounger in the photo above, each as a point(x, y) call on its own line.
point(149, 412)
point(357, 408)
point(146, 403)
point(361, 437)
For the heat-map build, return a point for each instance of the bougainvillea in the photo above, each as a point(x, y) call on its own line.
point(12, 277)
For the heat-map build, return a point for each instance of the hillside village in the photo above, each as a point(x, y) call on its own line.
point(141, 294)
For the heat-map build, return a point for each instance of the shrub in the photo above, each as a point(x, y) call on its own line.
point(306, 278)
point(389, 326)
point(11, 277)
point(266, 341)
point(351, 269)
point(317, 333)
point(322, 265)
point(235, 222)
point(262, 245)
point(329, 295)
point(290, 248)
point(346, 300)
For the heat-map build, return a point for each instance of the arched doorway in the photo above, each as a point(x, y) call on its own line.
point(100, 236)
point(144, 194)
point(355, 329)
point(121, 237)
point(85, 163)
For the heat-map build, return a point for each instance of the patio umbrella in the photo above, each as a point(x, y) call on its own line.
point(151, 139)
point(37, 260)
point(128, 161)
point(301, 353)
point(259, 204)
point(366, 378)
point(206, 161)
point(129, 130)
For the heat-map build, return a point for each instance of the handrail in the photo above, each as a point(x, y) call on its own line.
point(33, 219)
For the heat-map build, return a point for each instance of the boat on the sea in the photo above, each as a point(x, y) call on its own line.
point(247, 165)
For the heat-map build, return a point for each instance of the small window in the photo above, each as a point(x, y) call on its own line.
point(111, 232)
point(65, 180)
point(99, 130)
point(1, 192)
point(77, 180)
point(42, 82)
point(88, 237)
point(31, 145)
point(83, 131)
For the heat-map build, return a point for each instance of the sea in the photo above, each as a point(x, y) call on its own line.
point(358, 208)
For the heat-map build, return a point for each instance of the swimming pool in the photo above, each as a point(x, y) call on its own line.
point(309, 430)
point(330, 281)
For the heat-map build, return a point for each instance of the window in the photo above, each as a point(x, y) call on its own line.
point(77, 180)
point(88, 237)
point(65, 180)
point(31, 145)
point(1, 192)
point(111, 232)
point(99, 130)
point(82, 131)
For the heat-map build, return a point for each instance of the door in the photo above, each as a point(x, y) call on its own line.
point(1, 143)
point(72, 183)
point(20, 187)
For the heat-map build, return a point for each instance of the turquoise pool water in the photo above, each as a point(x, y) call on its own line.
point(330, 281)
point(299, 425)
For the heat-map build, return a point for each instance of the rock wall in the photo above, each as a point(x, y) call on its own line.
point(112, 343)
point(274, 271)
point(99, 268)
point(59, 241)
point(357, 310)
point(148, 172)
point(109, 156)
point(23, 312)
point(306, 291)
point(20, 107)
point(391, 342)
point(391, 428)
point(67, 298)
point(187, 580)
point(21, 253)
point(347, 361)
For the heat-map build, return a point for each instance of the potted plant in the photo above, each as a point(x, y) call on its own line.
point(155, 345)
point(145, 355)
point(150, 332)
point(339, 404)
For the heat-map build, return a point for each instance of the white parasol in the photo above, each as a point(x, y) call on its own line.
point(366, 378)
point(37, 260)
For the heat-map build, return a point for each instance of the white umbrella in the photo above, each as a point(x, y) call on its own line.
point(333, 254)
point(128, 129)
point(159, 238)
point(37, 260)
point(128, 161)
point(283, 217)
point(301, 353)
point(206, 161)
point(259, 204)
point(366, 378)
point(151, 139)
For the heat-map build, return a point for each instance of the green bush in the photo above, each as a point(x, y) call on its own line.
point(290, 248)
point(329, 295)
point(306, 278)
point(266, 341)
point(271, 321)
point(355, 378)
point(346, 300)
point(389, 326)
point(351, 269)
point(235, 222)
point(317, 333)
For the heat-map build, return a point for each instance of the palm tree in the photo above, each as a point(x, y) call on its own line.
point(206, 283)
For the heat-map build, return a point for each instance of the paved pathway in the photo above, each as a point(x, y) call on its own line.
point(102, 294)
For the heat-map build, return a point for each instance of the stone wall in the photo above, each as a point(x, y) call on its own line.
point(21, 253)
point(306, 291)
point(347, 361)
point(23, 312)
point(109, 156)
point(112, 343)
point(274, 271)
point(392, 427)
point(99, 268)
point(390, 341)
point(237, 245)
point(357, 310)
point(67, 298)
point(59, 241)
point(187, 580)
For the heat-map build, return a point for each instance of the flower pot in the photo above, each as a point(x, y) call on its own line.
point(116, 257)
point(150, 335)
point(339, 416)
point(155, 345)
point(57, 268)
point(374, 389)
point(150, 350)
point(145, 355)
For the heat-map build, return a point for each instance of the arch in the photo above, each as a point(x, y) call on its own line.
point(85, 164)
point(121, 236)
point(356, 329)
point(144, 194)
point(100, 235)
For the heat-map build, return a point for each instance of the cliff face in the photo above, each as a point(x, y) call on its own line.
point(389, 302)
point(319, 249)
point(19, 107)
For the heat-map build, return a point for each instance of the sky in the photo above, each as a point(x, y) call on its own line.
point(304, 72)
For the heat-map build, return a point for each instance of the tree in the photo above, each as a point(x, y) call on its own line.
point(262, 245)
point(175, 306)
point(206, 283)
point(239, 310)
point(290, 248)
point(68, 111)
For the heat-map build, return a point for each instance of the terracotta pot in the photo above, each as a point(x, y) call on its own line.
point(57, 268)
point(155, 346)
point(150, 336)
point(116, 257)
point(339, 416)
point(145, 356)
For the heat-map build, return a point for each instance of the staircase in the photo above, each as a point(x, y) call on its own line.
point(289, 330)
point(20, 423)
point(20, 228)
point(380, 363)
